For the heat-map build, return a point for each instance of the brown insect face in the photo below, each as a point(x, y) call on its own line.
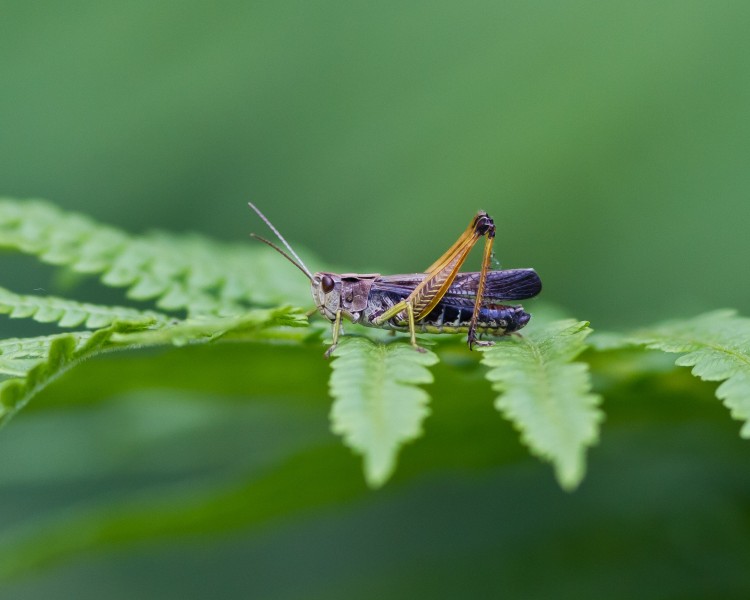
point(326, 292)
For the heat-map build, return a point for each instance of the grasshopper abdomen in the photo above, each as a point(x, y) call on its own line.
point(449, 316)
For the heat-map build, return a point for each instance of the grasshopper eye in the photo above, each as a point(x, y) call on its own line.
point(326, 283)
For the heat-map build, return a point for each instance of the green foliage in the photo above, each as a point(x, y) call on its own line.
point(216, 284)
point(547, 395)
point(717, 346)
point(27, 365)
point(178, 272)
point(545, 388)
point(593, 132)
point(33, 363)
point(69, 313)
point(377, 404)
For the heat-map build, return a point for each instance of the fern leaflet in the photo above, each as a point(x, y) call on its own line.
point(378, 406)
point(717, 346)
point(547, 395)
point(69, 313)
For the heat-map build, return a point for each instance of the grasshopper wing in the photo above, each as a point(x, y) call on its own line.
point(510, 284)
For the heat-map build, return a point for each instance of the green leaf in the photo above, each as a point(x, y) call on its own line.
point(29, 364)
point(251, 325)
point(717, 346)
point(378, 406)
point(186, 272)
point(69, 313)
point(38, 361)
point(547, 395)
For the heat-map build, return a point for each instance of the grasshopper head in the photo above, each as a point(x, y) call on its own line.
point(326, 292)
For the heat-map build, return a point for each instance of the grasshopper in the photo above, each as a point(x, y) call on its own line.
point(440, 300)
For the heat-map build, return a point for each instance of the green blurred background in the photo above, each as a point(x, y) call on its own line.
point(611, 144)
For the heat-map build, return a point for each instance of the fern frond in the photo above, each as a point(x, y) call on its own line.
point(34, 363)
point(27, 365)
point(547, 395)
point(717, 346)
point(69, 313)
point(19, 355)
point(35, 347)
point(377, 405)
point(248, 326)
point(179, 272)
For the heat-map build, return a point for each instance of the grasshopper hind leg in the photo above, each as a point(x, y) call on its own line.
point(474, 340)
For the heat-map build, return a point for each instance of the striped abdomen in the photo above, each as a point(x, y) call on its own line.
point(451, 316)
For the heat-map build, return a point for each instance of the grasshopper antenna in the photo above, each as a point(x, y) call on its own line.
point(284, 254)
point(298, 263)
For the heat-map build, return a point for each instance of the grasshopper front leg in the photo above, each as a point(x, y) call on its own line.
point(336, 330)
